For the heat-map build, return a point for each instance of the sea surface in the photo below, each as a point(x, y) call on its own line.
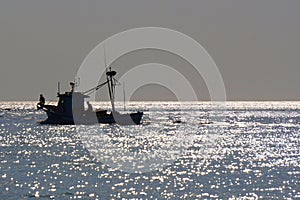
point(190, 150)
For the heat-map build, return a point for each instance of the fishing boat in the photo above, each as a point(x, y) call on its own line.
point(70, 107)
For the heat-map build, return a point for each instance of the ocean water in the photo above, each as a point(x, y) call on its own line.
point(193, 150)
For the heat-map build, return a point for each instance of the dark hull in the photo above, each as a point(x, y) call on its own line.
point(122, 119)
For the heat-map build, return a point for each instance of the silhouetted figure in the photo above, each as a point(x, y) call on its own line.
point(90, 107)
point(72, 84)
point(41, 101)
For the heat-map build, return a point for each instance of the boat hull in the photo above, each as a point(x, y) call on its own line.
point(92, 118)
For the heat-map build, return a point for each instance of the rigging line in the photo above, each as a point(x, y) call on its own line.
point(116, 82)
point(95, 88)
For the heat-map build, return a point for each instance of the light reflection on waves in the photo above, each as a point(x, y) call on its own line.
point(136, 148)
point(257, 156)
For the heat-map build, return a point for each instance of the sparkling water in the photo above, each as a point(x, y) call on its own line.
point(192, 150)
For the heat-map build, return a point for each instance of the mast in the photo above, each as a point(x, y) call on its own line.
point(110, 90)
point(110, 83)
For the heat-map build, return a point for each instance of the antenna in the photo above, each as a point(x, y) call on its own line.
point(104, 52)
point(58, 88)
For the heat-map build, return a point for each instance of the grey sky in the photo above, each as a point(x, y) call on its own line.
point(255, 43)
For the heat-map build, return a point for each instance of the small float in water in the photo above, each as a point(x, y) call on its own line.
point(70, 108)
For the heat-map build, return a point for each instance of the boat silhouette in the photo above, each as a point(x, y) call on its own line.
point(70, 108)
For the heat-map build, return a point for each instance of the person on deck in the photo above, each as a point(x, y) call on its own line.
point(41, 101)
point(90, 107)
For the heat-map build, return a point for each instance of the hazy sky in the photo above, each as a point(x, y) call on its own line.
point(255, 44)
